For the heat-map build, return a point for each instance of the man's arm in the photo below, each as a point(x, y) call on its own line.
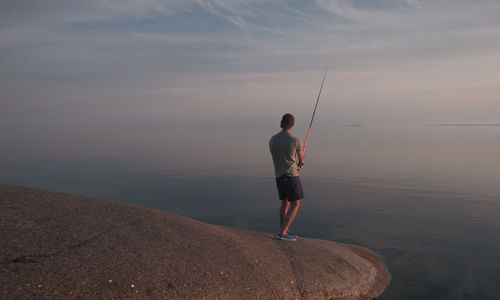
point(301, 157)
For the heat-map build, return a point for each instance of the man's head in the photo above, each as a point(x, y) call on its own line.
point(287, 121)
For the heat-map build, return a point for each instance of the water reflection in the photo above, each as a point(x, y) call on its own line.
point(426, 200)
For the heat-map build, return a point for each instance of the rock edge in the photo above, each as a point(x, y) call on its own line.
point(57, 245)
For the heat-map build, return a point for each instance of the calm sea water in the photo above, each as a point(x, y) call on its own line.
point(426, 199)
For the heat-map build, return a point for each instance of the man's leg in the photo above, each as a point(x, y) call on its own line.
point(283, 211)
point(290, 216)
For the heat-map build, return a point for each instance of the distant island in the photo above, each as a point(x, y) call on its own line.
point(471, 124)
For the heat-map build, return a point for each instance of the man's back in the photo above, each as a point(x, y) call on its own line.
point(284, 147)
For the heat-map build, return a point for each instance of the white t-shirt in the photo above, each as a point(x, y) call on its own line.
point(284, 147)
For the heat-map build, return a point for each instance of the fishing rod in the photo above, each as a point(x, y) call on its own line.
point(315, 107)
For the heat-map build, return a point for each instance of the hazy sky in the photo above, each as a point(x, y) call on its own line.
point(72, 70)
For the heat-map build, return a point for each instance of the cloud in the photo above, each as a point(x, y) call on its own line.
point(243, 28)
point(99, 49)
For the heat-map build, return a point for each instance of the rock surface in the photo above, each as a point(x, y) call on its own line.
point(56, 245)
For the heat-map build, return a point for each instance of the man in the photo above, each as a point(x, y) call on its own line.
point(288, 159)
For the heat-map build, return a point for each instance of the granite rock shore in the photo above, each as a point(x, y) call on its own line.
point(60, 246)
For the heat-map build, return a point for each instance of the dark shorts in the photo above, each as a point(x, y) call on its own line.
point(289, 188)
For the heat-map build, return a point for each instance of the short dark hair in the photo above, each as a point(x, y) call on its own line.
point(287, 121)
